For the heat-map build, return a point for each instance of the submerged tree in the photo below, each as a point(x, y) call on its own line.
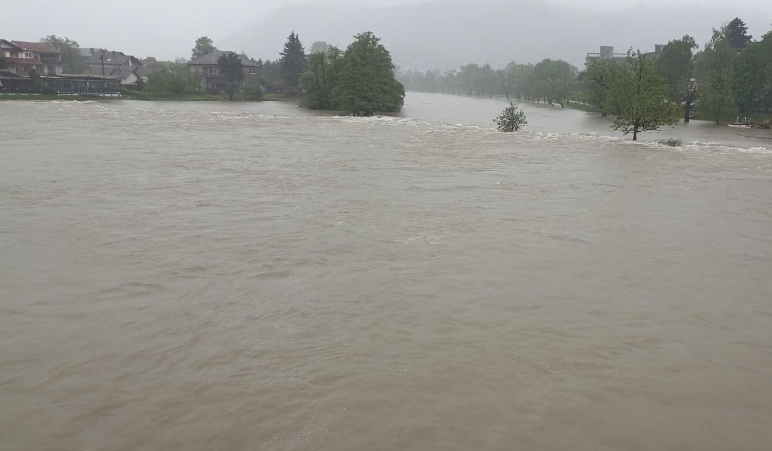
point(204, 45)
point(366, 83)
point(676, 64)
point(292, 63)
point(639, 98)
point(511, 119)
point(232, 72)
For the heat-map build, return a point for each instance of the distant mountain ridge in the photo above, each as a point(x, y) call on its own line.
point(444, 34)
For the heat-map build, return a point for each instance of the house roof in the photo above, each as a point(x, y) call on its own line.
point(212, 57)
point(121, 72)
point(112, 58)
point(39, 47)
point(10, 43)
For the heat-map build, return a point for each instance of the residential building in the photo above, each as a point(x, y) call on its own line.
point(113, 64)
point(212, 80)
point(18, 58)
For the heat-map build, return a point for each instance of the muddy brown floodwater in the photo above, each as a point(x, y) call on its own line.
point(214, 276)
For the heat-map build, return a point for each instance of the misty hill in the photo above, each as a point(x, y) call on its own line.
point(447, 33)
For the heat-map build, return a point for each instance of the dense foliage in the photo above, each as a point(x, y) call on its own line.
point(204, 45)
point(292, 63)
point(231, 71)
point(511, 119)
point(174, 80)
point(360, 80)
point(71, 61)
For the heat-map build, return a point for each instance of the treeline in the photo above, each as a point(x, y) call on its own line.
point(730, 76)
point(551, 81)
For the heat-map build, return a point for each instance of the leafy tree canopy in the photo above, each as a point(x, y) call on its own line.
point(639, 98)
point(71, 61)
point(292, 62)
point(204, 45)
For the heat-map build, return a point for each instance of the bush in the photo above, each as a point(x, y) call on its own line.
point(511, 119)
point(253, 92)
point(672, 142)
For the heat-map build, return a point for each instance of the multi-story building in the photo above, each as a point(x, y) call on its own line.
point(212, 80)
point(19, 58)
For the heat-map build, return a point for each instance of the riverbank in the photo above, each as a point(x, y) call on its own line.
point(143, 96)
point(756, 118)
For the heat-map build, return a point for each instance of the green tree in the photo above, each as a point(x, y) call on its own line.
point(319, 47)
point(173, 81)
point(316, 83)
point(232, 72)
point(715, 77)
point(639, 98)
point(366, 83)
point(70, 50)
point(293, 63)
point(676, 64)
point(35, 83)
point(752, 84)
point(204, 45)
point(511, 119)
point(736, 34)
point(597, 80)
point(555, 80)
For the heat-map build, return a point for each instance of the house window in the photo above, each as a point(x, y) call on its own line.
point(27, 55)
point(253, 71)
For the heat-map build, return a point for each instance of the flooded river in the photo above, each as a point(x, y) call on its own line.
point(215, 276)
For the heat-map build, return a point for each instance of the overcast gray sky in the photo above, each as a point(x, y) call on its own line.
point(167, 28)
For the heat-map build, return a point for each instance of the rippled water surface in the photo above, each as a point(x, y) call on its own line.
point(214, 276)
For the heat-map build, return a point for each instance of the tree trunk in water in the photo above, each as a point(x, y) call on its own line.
point(635, 135)
point(687, 108)
point(603, 114)
point(717, 121)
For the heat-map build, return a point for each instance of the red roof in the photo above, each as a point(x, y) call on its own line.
point(40, 47)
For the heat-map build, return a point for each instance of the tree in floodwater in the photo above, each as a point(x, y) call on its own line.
point(676, 63)
point(511, 119)
point(715, 77)
point(292, 63)
point(639, 98)
point(232, 72)
point(366, 82)
point(597, 80)
point(555, 80)
point(203, 46)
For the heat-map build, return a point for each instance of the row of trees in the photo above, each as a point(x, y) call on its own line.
point(552, 81)
point(731, 74)
point(360, 80)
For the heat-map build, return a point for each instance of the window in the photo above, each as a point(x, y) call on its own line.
point(27, 54)
point(253, 71)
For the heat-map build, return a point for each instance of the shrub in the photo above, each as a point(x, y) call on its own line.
point(511, 119)
point(253, 92)
point(672, 142)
